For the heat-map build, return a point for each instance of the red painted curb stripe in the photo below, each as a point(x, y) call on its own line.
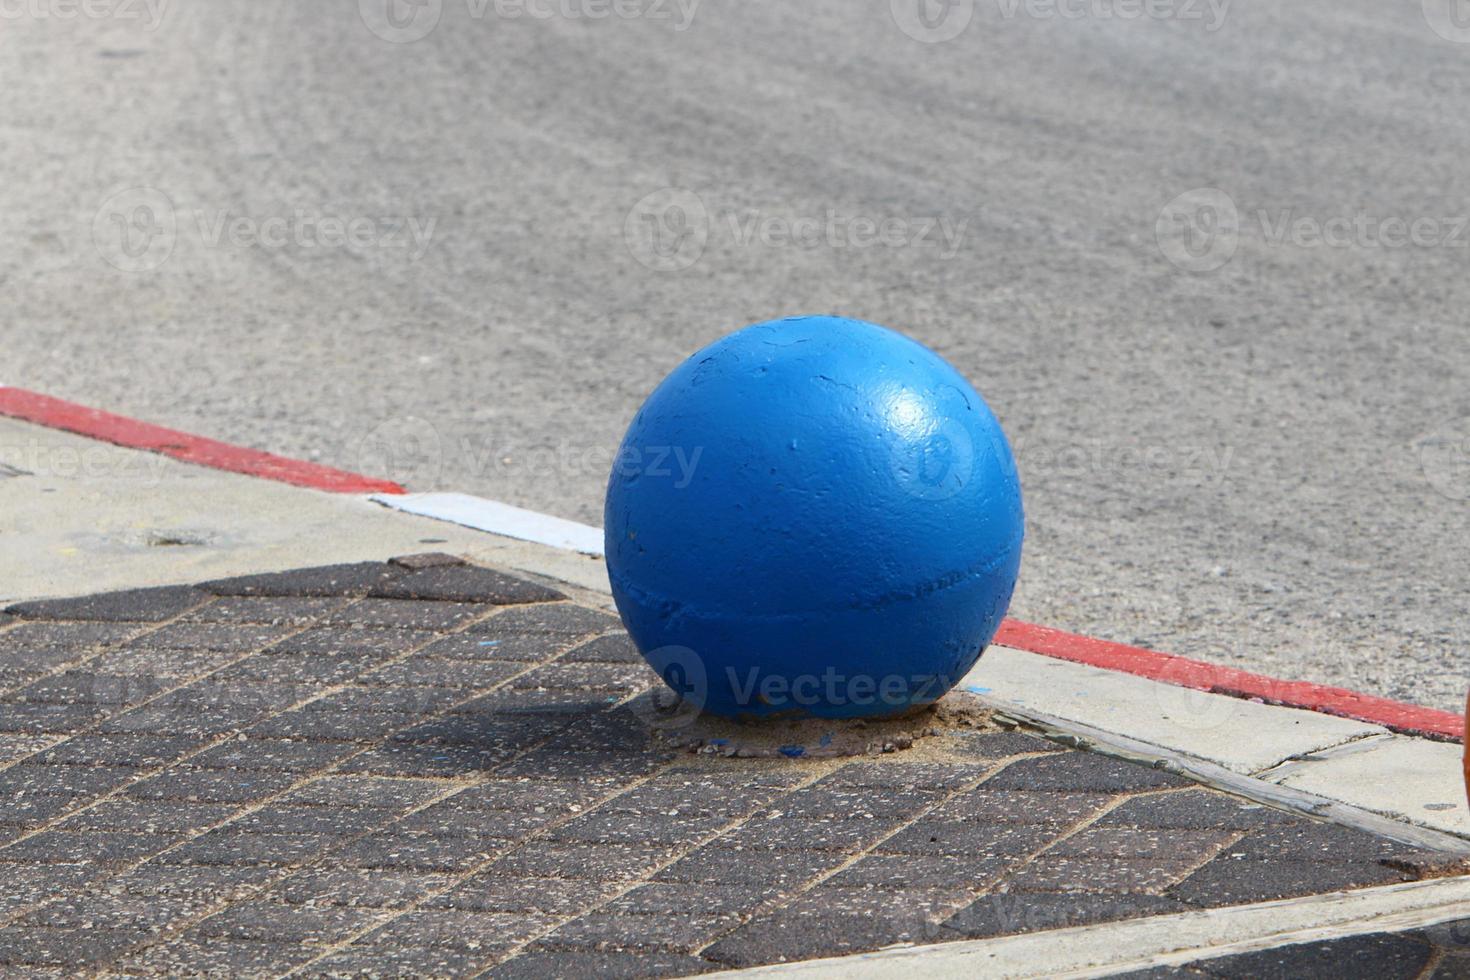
point(57, 414)
point(1396, 716)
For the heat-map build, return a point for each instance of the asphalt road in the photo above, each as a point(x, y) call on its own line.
point(457, 245)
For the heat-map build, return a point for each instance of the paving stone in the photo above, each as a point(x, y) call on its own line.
point(270, 754)
point(457, 929)
point(149, 816)
point(40, 946)
point(1082, 772)
point(316, 669)
point(661, 898)
point(779, 869)
point(566, 706)
point(218, 693)
point(585, 965)
point(702, 793)
point(903, 871)
point(189, 721)
point(462, 583)
point(102, 847)
point(193, 955)
point(519, 648)
point(351, 640)
point(1374, 957)
point(266, 920)
point(1142, 842)
point(400, 961)
point(13, 747)
point(379, 699)
point(448, 820)
point(599, 828)
point(1016, 912)
point(49, 719)
point(1311, 841)
point(552, 897)
point(594, 862)
point(987, 805)
point(291, 612)
point(1451, 967)
point(227, 846)
point(367, 888)
point(567, 762)
point(121, 911)
point(612, 931)
point(419, 852)
point(1064, 873)
point(1194, 810)
point(792, 834)
point(177, 665)
point(38, 808)
point(903, 776)
point(922, 904)
point(446, 761)
point(278, 819)
point(964, 838)
point(421, 670)
point(329, 581)
point(438, 617)
point(838, 801)
point(85, 687)
point(616, 648)
point(133, 605)
point(786, 935)
point(78, 639)
point(401, 794)
point(218, 883)
point(426, 559)
point(209, 786)
point(27, 778)
point(561, 617)
point(535, 795)
point(1226, 881)
point(1001, 745)
point(333, 726)
point(1453, 938)
point(31, 885)
point(564, 676)
point(213, 637)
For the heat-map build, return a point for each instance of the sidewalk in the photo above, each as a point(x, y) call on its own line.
point(280, 753)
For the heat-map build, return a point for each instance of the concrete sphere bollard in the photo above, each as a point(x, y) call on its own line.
point(813, 516)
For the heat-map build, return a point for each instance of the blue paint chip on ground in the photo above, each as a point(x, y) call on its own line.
point(793, 751)
point(977, 689)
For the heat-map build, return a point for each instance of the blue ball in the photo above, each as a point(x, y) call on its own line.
point(813, 516)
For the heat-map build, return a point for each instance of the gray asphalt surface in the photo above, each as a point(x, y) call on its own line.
point(1237, 441)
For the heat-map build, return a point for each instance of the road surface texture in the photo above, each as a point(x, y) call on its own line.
point(426, 768)
point(1206, 261)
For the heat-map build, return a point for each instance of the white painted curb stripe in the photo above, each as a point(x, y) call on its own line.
point(1112, 947)
point(497, 518)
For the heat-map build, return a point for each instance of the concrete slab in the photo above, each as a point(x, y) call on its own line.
point(1402, 777)
point(1242, 736)
point(83, 516)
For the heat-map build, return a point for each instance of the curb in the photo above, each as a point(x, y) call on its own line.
point(498, 518)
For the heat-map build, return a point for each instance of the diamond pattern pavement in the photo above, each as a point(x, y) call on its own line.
point(425, 768)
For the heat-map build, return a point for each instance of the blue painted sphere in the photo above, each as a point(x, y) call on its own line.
point(813, 516)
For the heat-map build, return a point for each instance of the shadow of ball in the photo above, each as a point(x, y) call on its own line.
point(819, 517)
